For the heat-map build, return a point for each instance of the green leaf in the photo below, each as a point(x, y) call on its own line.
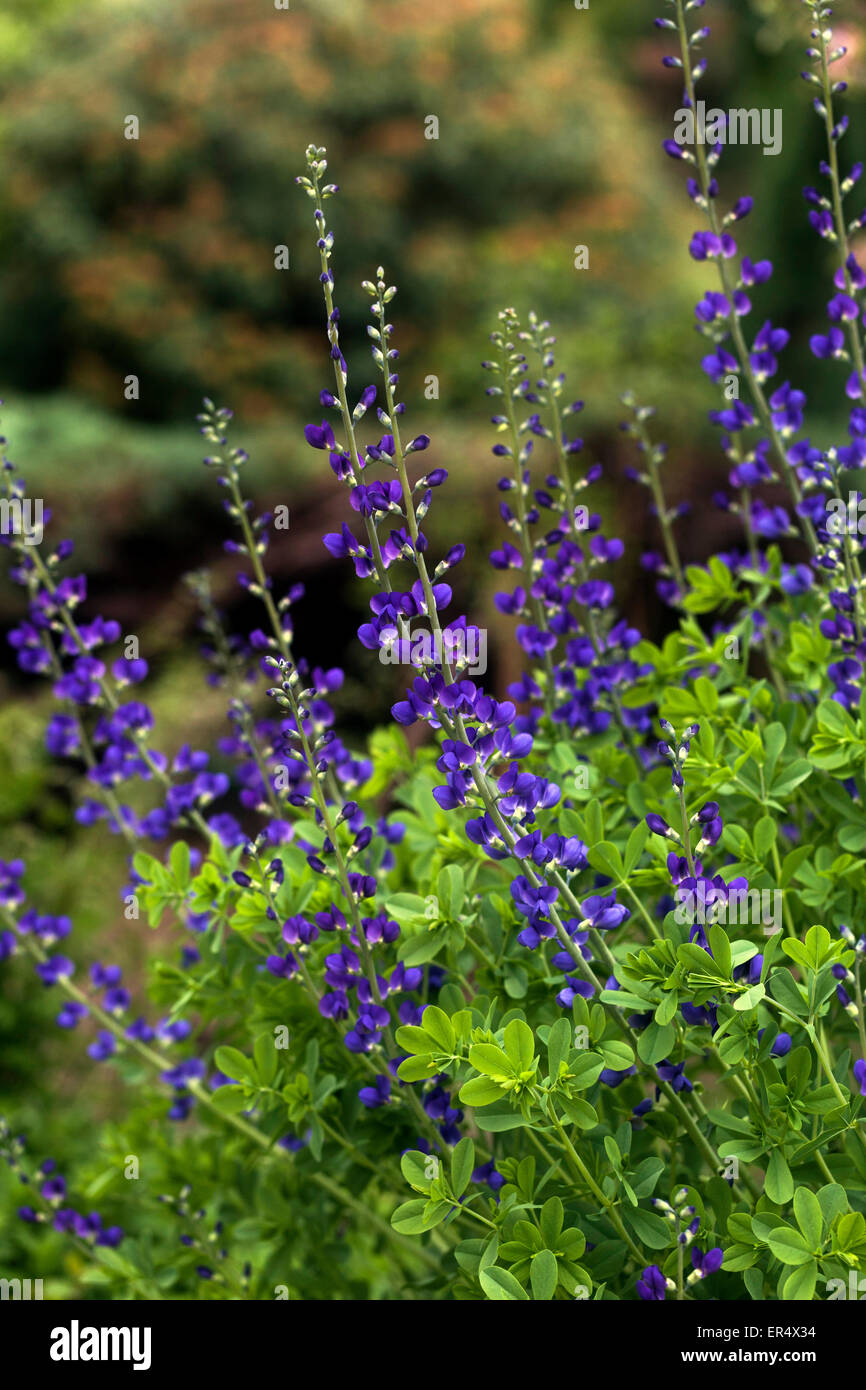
point(179, 860)
point(797, 952)
point(764, 837)
point(790, 777)
point(490, 1252)
point(831, 716)
point(800, 1283)
point(408, 908)
point(412, 1218)
point(785, 990)
point(774, 742)
point(415, 1040)
point(750, 998)
point(666, 1010)
point(585, 1069)
point(646, 1175)
point(789, 1246)
point(635, 847)
point(594, 822)
point(230, 1099)
point(580, 1112)
point(850, 1233)
point(754, 1282)
point(798, 1069)
point(739, 1257)
point(743, 1150)
point(491, 1122)
point(317, 1139)
point(723, 1119)
point(519, 1045)
point(764, 1224)
point(655, 1042)
point(807, 1210)
point(437, 1023)
point(833, 1201)
point(792, 861)
point(778, 1184)
point(414, 1166)
point(606, 858)
point(853, 838)
point(468, 1255)
point(145, 865)
point(695, 958)
point(816, 950)
point(451, 890)
point(818, 944)
point(516, 980)
point(821, 1100)
point(233, 1063)
point(462, 1164)
point(500, 1286)
point(650, 1229)
point(558, 1045)
point(706, 694)
point(551, 1220)
point(417, 1068)
point(544, 1274)
point(267, 1062)
point(491, 1060)
point(617, 1055)
point(423, 947)
point(721, 948)
point(479, 1090)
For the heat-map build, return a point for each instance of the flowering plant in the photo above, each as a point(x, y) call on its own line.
point(538, 1005)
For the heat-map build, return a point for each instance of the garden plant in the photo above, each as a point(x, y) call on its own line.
point(552, 992)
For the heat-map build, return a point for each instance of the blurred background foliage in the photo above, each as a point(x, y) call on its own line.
point(155, 258)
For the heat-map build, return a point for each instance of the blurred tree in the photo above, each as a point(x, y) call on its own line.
point(154, 256)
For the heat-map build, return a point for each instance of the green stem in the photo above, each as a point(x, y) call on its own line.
point(584, 1173)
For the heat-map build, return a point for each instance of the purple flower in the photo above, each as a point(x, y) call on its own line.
point(652, 1285)
point(706, 1264)
point(603, 913)
point(711, 246)
point(673, 1073)
point(192, 1069)
point(283, 966)
point(830, 345)
point(377, 1094)
point(71, 1014)
point(487, 1173)
point(54, 969)
point(320, 436)
point(104, 1047)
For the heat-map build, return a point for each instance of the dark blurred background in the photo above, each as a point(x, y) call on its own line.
point(155, 258)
